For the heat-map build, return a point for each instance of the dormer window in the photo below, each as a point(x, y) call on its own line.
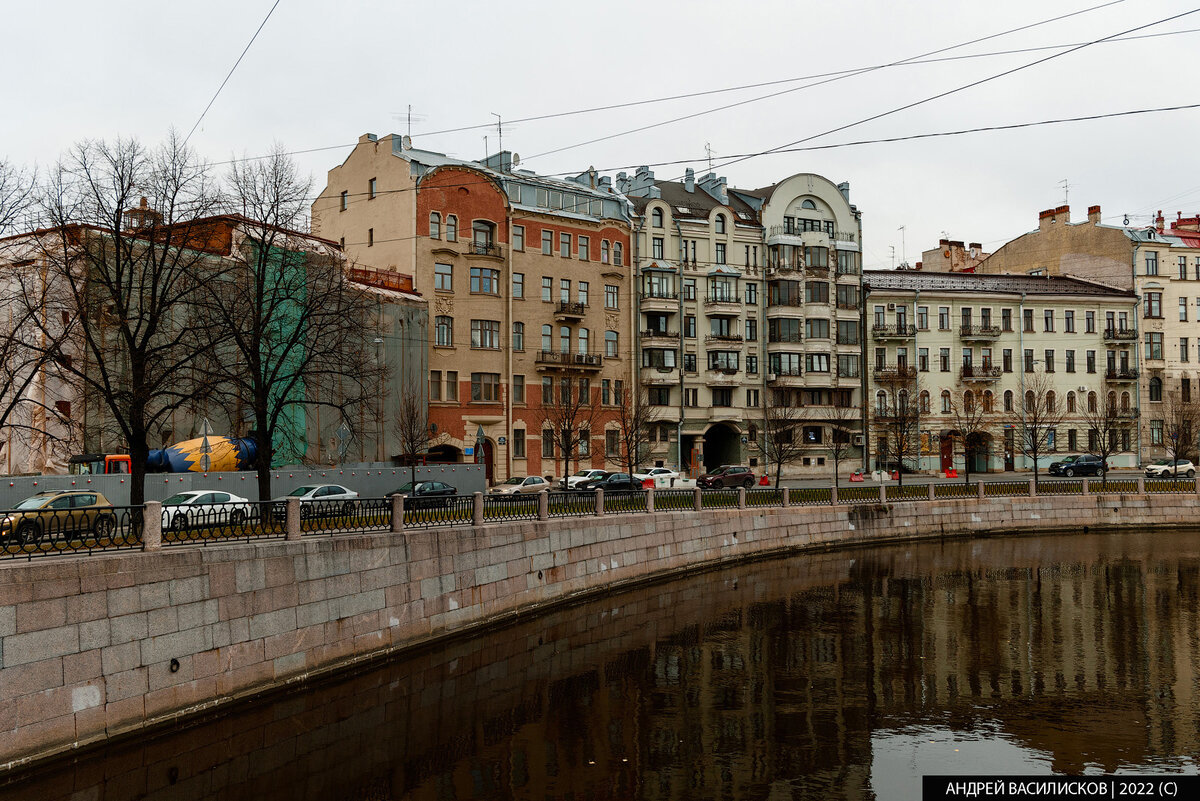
point(720, 223)
point(808, 204)
point(656, 218)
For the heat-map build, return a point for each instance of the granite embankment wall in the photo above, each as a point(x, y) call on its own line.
point(94, 647)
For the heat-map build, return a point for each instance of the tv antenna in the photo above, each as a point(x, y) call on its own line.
point(1066, 192)
point(709, 151)
point(500, 133)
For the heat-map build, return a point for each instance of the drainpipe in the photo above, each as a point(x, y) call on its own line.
point(864, 291)
point(508, 399)
point(1021, 377)
point(636, 255)
point(1137, 360)
point(916, 369)
point(679, 353)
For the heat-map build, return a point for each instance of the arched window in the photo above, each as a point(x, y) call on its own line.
point(451, 228)
point(902, 401)
point(1070, 403)
point(752, 433)
point(945, 401)
point(518, 338)
point(656, 218)
point(808, 204)
point(618, 254)
point(582, 337)
point(435, 225)
point(720, 223)
point(881, 403)
point(988, 400)
point(1156, 389)
point(968, 401)
point(564, 338)
point(1008, 400)
point(1112, 401)
point(1050, 401)
point(1029, 400)
point(444, 331)
point(924, 401)
point(1124, 401)
point(610, 343)
point(547, 338)
point(1092, 402)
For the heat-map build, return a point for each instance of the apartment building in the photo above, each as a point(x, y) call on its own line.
point(1160, 264)
point(746, 297)
point(529, 283)
point(974, 338)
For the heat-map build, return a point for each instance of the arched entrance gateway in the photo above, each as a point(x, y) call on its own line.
point(975, 451)
point(445, 454)
point(722, 445)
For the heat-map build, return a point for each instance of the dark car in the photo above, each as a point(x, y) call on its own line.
point(426, 494)
point(1082, 465)
point(727, 476)
point(615, 482)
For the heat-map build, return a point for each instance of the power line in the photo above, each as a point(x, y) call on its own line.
point(230, 75)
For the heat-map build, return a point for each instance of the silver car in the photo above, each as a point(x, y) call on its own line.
point(199, 508)
point(319, 500)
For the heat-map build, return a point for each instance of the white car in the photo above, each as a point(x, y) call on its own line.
point(319, 499)
point(582, 476)
point(521, 485)
point(662, 476)
point(200, 508)
point(1165, 468)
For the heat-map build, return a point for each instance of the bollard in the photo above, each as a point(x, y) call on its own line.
point(599, 503)
point(979, 493)
point(151, 526)
point(741, 497)
point(787, 498)
point(882, 492)
point(397, 513)
point(292, 519)
point(1085, 486)
point(650, 499)
point(833, 495)
point(697, 500)
point(932, 490)
point(544, 505)
point(1141, 485)
point(477, 511)
point(1032, 488)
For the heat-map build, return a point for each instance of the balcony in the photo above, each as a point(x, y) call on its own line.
point(724, 300)
point(893, 331)
point(847, 371)
point(792, 235)
point(846, 339)
point(773, 339)
point(654, 336)
point(790, 377)
point(975, 372)
point(660, 300)
point(556, 360)
point(736, 339)
point(660, 376)
point(568, 311)
point(487, 249)
point(817, 270)
point(970, 331)
point(1127, 413)
point(1121, 375)
point(1120, 335)
point(894, 372)
point(846, 306)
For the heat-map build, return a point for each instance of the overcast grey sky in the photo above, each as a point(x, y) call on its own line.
point(321, 73)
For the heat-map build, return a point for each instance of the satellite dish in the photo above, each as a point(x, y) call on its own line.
point(516, 159)
point(974, 252)
point(1127, 219)
point(406, 142)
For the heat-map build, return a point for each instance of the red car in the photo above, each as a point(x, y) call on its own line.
point(727, 476)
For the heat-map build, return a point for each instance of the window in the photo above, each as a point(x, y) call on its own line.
point(847, 332)
point(610, 344)
point(720, 253)
point(656, 218)
point(1152, 263)
point(944, 359)
point(444, 331)
point(656, 248)
point(1154, 345)
point(582, 293)
point(1070, 403)
point(485, 281)
point(946, 407)
point(1156, 432)
point(1069, 321)
point(943, 318)
point(584, 248)
point(564, 245)
point(720, 223)
point(660, 396)
point(1089, 322)
point(1183, 268)
point(1156, 389)
point(485, 333)
point(518, 336)
point(689, 326)
point(1185, 393)
point(518, 443)
point(585, 442)
point(518, 238)
point(1048, 320)
point(443, 277)
point(751, 330)
point(1091, 361)
point(689, 363)
point(345, 201)
point(923, 360)
point(752, 294)
point(581, 339)
point(451, 228)
point(923, 402)
point(816, 292)
point(618, 252)
point(1008, 400)
point(1183, 307)
point(689, 289)
point(816, 362)
point(1006, 360)
point(518, 287)
point(485, 386)
point(816, 329)
point(612, 443)
point(547, 242)
point(1027, 320)
point(691, 397)
point(1183, 349)
point(922, 315)
point(435, 385)
point(1006, 319)
point(373, 185)
point(435, 225)
point(370, 237)
point(564, 339)
point(752, 398)
point(1049, 363)
point(1154, 304)
point(547, 288)
point(518, 389)
point(1029, 360)
point(547, 444)
point(547, 390)
point(604, 251)
point(452, 385)
point(722, 396)
point(564, 290)
point(752, 364)
point(612, 296)
point(1070, 361)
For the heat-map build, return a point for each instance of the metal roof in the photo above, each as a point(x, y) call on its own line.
point(917, 280)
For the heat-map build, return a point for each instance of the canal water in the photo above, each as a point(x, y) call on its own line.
point(837, 676)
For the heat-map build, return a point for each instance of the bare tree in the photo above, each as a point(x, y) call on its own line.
point(568, 412)
point(842, 419)
point(782, 444)
point(1036, 417)
point(16, 195)
point(1109, 429)
point(635, 416)
point(896, 413)
point(410, 422)
point(972, 419)
point(1181, 425)
point(128, 273)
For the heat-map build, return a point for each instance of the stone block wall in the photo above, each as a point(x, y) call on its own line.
point(98, 646)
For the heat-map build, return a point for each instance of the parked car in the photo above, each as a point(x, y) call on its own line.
point(727, 476)
point(583, 476)
point(318, 499)
point(892, 465)
point(661, 476)
point(1081, 465)
point(521, 485)
point(1165, 468)
point(426, 494)
point(198, 508)
point(58, 514)
point(614, 482)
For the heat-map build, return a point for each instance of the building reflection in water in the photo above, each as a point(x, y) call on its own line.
point(829, 676)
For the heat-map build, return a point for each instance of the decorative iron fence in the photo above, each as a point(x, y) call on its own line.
point(450, 510)
point(765, 497)
point(674, 500)
point(221, 522)
point(336, 517)
point(719, 499)
point(624, 502)
point(510, 507)
point(26, 533)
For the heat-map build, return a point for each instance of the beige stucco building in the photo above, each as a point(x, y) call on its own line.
point(989, 334)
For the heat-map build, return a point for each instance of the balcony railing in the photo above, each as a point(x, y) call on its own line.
point(558, 359)
point(977, 372)
point(817, 269)
point(659, 294)
point(847, 371)
point(784, 337)
point(783, 374)
point(893, 330)
point(721, 297)
point(847, 306)
point(723, 369)
point(795, 302)
point(1121, 374)
point(1127, 413)
point(894, 371)
point(568, 308)
point(976, 331)
point(483, 249)
point(1120, 335)
point(653, 334)
point(724, 338)
point(846, 339)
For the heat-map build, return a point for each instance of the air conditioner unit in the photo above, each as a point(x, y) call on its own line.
point(858, 440)
point(891, 307)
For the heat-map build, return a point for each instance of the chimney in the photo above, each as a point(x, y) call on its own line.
point(844, 188)
point(1158, 221)
point(623, 183)
point(715, 187)
point(689, 180)
point(1045, 219)
point(1094, 215)
point(975, 246)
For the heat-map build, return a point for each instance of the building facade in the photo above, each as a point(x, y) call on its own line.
point(1161, 265)
point(982, 339)
point(529, 283)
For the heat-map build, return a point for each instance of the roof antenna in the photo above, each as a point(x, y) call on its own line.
point(1066, 192)
point(500, 133)
point(708, 150)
